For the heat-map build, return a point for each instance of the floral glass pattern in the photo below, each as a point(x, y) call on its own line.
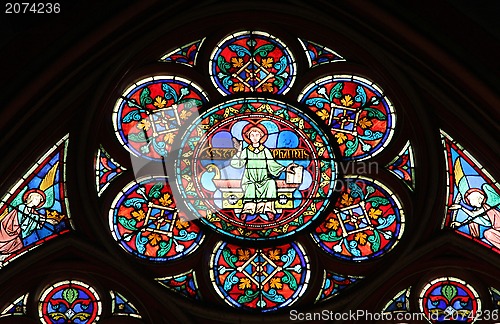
point(69, 302)
point(261, 188)
point(319, 54)
point(473, 197)
point(184, 284)
point(144, 219)
point(361, 117)
point(186, 54)
point(333, 284)
point(150, 113)
point(259, 279)
point(367, 222)
point(106, 169)
point(35, 209)
point(252, 62)
point(448, 298)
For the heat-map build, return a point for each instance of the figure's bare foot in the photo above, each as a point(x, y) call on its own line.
point(243, 216)
point(270, 216)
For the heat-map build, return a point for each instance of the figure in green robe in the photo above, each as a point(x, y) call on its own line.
point(258, 183)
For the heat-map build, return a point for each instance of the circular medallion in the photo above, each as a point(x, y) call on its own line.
point(259, 279)
point(69, 302)
point(145, 221)
point(361, 117)
point(252, 62)
point(255, 169)
point(366, 223)
point(150, 113)
point(449, 299)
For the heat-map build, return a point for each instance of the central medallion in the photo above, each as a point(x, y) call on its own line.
point(255, 169)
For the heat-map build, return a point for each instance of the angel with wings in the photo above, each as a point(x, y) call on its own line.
point(23, 217)
point(483, 209)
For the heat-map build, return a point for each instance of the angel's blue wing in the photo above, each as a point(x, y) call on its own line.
point(493, 197)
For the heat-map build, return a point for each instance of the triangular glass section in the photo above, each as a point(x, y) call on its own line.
point(473, 197)
point(106, 169)
point(333, 283)
point(495, 297)
point(121, 306)
point(184, 284)
point(35, 209)
point(17, 307)
point(186, 54)
point(319, 54)
point(399, 303)
point(403, 166)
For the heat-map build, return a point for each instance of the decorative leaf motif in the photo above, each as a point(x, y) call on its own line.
point(374, 241)
point(129, 224)
point(169, 92)
point(290, 280)
point(223, 65)
point(137, 137)
point(135, 202)
point(273, 295)
point(229, 257)
point(133, 115)
point(449, 292)
point(140, 243)
point(239, 50)
point(356, 191)
point(145, 97)
point(248, 296)
point(155, 191)
point(81, 316)
point(164, 248)
point(318, 102)
point(351, 147)
point(375, 113)
point(377, 201)
point(191, 103)
point(360, 95)
point(281, 66)
point(70, 295)
point(336, 91)
point(264, 50)
point(371, 136)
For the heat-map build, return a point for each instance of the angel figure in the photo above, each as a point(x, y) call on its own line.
point(483, 210)
point(23, 217)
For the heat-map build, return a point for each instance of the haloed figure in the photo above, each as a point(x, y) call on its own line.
point(22, 221)
point(258, 184)
point(482, 214)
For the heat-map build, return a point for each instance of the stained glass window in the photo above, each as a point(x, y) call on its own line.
point(259, 279)
point(366, 223)
point(333, 284)
point(473, 197)
point(35, 209)
point(121, 306)
point(495, 297)
point(69, 301)
point(360, 116)
point(186, 54)
point(252, 61)
point(255, 169)
point(403, 166)
point(319, 54)
point(150, 113)
point(184, 284)
point(399, 303)
point(449, 298)
point(106, 169)
point(17, 307)
point(145, 221)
